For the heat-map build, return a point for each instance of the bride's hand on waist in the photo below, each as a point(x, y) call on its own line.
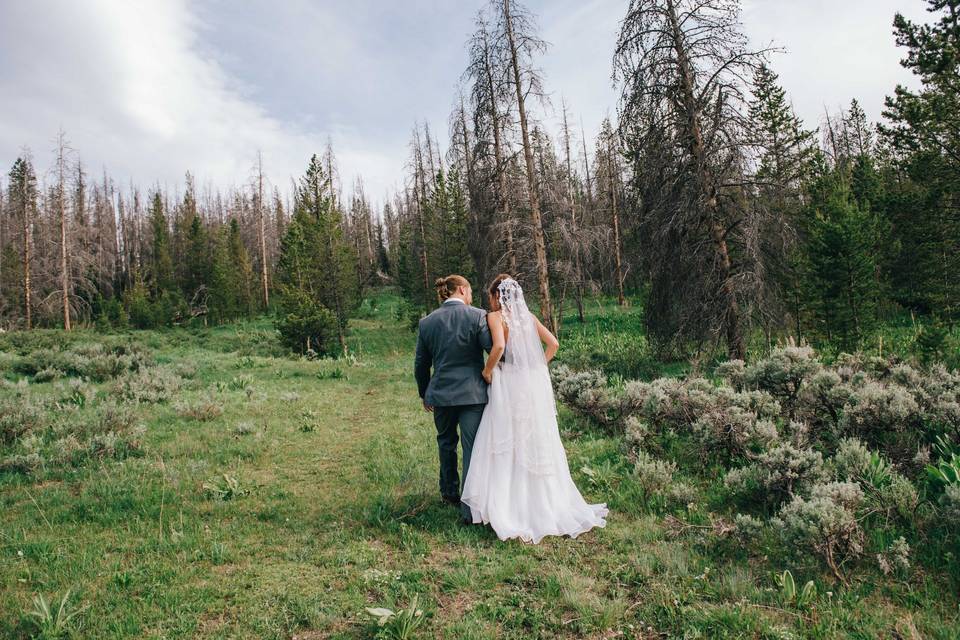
point(488, 376)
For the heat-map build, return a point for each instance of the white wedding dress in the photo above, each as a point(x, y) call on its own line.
point(519, 480)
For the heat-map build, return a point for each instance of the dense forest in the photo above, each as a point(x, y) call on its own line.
point(707, 200)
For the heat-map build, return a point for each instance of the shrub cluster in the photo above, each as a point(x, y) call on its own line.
point(832, 459)
point(57, 417)
point(59, 435)
point(93, 361)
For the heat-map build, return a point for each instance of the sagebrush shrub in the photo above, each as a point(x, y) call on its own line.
point(94, 361)
point(151, 385)
point(636, 432)
point(202, 409)
point(19, 416)
point(653, 476)
point(779, 473)
point(733, 372)
point(950, 505)
point(76, 391)
point(898, 496)
point(67, 451)
point(834, 448)
point(733, 432)
point(48, 375)
point(939, 398)
point(115, 445)
point(849, 495)
point(824, 526)
point(896, 558)
point(883, 416)
point(822, 399)
point(853, 459)
point(111, 416)
point(886, 488)
point(782, 373)
point(747, 527)
point(24, 463)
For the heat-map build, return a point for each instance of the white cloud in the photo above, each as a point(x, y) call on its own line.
point(150, 89)
point(128, 84)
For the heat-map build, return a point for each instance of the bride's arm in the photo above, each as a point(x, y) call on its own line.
point(553, 345)
point(499, 344)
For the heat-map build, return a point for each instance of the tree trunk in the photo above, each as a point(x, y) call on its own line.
point(264, 282)
point(617, 249)
point(332, 255)
point(27, 292)
point(574, 233)
point(546, 308)
point(64, 261)
point(421, 196)
point(503, 195)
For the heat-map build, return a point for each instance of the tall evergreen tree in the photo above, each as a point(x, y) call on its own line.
point(242, 269)
point(842, 262)
point(316, 271)
point(161, 260)
point(197, 262)
point(446, 215)
point(787, 155)
point(23, 198)
point(924, 132)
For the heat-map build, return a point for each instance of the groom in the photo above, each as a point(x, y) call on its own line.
point(452, 340)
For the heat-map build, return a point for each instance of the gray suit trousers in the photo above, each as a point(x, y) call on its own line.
point(447, 419)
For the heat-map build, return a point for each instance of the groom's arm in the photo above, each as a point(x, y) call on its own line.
point(483, 333)
point(422, 362)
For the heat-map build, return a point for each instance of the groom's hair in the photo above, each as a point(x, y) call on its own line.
point(448, 286)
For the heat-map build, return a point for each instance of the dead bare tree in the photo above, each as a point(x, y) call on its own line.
point(490, 94)
point(419, 201)
point(609, 179)
point(60, 202)
point(575, 248)
point(519, 30)
point(684, 66)
point(262, 233)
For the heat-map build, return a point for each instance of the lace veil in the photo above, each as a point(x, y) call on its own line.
point(524, 349)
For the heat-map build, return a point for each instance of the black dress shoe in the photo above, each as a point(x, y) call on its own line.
point(452, 500)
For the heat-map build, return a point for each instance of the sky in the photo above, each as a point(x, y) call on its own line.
point(148, 90)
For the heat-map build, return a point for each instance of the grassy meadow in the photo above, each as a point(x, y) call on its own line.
point(200, 483)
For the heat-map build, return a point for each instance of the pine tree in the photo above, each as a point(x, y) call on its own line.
point(161, 261)
point(316, 274)
point(787, 156)
point(925, 137)
point(446, 212)
point(242, 270)
point(23, 198)
point(196, 261)
point(842, 262)
point(224, 281)
point(608, 157)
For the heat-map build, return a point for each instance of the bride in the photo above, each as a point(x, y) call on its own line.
point(519, 481)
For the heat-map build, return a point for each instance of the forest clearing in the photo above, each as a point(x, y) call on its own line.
point(202, 484)
point(229, 230)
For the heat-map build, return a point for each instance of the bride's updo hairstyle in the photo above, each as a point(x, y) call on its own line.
point(448, 286)
point(494, 290)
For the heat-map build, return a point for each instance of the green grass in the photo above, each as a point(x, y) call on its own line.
point(311, 495)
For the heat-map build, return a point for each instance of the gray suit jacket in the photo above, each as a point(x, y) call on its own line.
point(452, 340)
